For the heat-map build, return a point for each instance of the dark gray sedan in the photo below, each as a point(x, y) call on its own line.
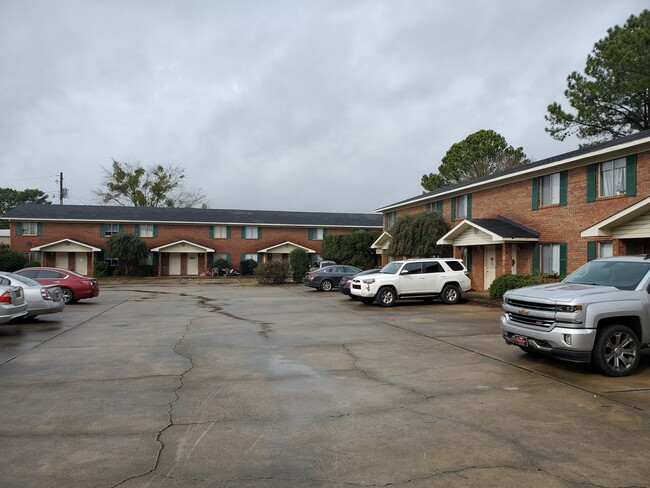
point(328, 278)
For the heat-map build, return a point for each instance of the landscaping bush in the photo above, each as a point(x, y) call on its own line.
point(299, 260)
point(247, 267)
point(274, 273)
point(100, 269)
point(145, 270)
point(10, 260)
point(509, 282)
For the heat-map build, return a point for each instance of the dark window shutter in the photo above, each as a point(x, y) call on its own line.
point(453, 208)
point(591, 250)
point(468, 214)
point(564, 186)
point(630, 176)
point(259, 232)
point(439, 207)
point(536, 259)
point(591, 183)
point(19, 229)
point(136, 229)
point(228, 257)
point(39, 229)
point(243, 232)
point(102, 232)
point(228, 234)
point(155, 230)
point(563, 259)
point(212, 232)
point(535, 193)
point(310, 234)
point(469, 258)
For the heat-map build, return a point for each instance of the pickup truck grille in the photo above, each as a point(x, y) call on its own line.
point(547, 307)
point(530, 321)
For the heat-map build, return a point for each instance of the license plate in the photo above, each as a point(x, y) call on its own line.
point(521, 341)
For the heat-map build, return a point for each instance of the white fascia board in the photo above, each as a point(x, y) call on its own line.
point(605, 228)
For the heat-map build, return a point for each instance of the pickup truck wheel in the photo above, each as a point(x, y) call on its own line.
point(617, 351)
point(450, 294)
point(386, 297)
point(326, 285)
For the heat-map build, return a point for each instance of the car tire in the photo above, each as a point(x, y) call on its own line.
point(617, 351)
point(326, 285)
point(68, 296)
point(386, 296)
point(450, 294)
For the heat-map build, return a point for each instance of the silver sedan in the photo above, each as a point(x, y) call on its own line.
point(12, 303)
point(41, 299)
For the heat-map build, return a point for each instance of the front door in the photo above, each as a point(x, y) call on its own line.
point(174, 264)
point(514, 259)
point(81, 263)
point(62, 260)
point(490, 266)
point(193, 264)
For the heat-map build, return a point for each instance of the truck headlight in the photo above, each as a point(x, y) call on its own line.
point(369, 281)
point(568, 308)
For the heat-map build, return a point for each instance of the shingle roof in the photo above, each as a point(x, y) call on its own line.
point(505, 228)
point(96, 213)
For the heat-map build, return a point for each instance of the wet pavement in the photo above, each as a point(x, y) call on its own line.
point(191, 384)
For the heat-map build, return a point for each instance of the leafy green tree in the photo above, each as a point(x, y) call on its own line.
point(352, 248)
point(10, 260)
point(10, 198)
point(480, 154)
point(128, 248)
point(131, 184)
point(415, 236)
point(612, 98)
point(299, 260)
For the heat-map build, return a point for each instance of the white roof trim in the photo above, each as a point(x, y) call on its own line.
point(450, 237)
point(181, 242)
point(384, 238)
point(605, 228)
point(519, 174)
point(287, 243)
point(71, 241)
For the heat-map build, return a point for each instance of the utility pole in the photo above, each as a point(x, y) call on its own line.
point(63, 192)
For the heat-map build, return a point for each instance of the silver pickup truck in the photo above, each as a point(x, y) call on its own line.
point(600, 314)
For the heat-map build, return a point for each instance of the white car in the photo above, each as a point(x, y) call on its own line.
point(425, 278)
point(12, 304)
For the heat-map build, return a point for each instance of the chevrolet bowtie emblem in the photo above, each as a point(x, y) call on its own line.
point(523, 312)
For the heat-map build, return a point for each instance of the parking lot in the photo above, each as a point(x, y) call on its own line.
point(190, 384)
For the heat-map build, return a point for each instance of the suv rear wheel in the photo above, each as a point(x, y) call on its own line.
point(386, 296)
point(450, 294)
point(617, 351)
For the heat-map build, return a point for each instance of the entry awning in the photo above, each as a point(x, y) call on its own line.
point(182, 247)
point(630, 223)
point(486, 232)
point(285, 248)
point(382, 243)
point(66, 245)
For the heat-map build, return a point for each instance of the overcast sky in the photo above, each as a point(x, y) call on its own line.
point(307, 105)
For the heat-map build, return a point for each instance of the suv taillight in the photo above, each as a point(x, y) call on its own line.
point(6, 298)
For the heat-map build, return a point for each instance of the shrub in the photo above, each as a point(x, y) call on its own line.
point(32, 264)
point(247, 267)
point(145, 270)
point(275, 272)
point(10, 260)
point(299, 260)
point(509, 282)
point(100, 269)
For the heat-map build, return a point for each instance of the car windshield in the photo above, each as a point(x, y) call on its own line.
point(624, 275)
point(392, 268)
point(24, 280)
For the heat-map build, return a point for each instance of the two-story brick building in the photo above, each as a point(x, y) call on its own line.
point(549, 216)
point(182, 241)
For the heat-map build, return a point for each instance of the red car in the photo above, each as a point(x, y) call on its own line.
point(73, 285)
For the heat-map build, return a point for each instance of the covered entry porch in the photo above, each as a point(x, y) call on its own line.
point(68, 254)
point(281, 252)
point(182, 258)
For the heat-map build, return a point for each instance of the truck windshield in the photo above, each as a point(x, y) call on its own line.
point(392, 268)
point(624, 275)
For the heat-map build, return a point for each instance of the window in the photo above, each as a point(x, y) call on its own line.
point(455, 265)
point(550, 258)
point(550, 189)
point(32, 257)
point(612, 178)
point(316, 234)
point(251, 232)
point(114, 262)
point(412, 268)
point(433, 267)
point(435, 207)
point(250, 256)
point(605, 249)
point(390, 220)
point(110, 229)
point(221, 232)
point(222, 256)
point(461, 207)
point(30, 229)
point(146, 230)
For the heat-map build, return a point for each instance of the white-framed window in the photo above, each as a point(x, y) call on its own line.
point(317, 234)
point(110, 229)
point(251, 232)
point(222, 255)
point(114, 262)
point(550, 189)
point(146, 230)
point(390, 220)
point(550, 258)
point(611, 178)
point(220, 231)
point(605, 249)
point(30, 228)
point(461, 207)
point(251, 256)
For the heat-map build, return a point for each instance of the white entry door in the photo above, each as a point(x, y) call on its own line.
point(490, 266)
point(174, 264)
point(81, 263)
point(192, 264)
point(62, 260)
point(514, 259)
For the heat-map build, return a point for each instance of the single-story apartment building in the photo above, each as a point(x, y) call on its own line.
point(549, 216)
point(182, 241)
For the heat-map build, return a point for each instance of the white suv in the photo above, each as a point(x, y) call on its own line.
point(425, 278)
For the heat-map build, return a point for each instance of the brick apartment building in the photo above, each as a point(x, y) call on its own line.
point(549, 216)
point(182, 241)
